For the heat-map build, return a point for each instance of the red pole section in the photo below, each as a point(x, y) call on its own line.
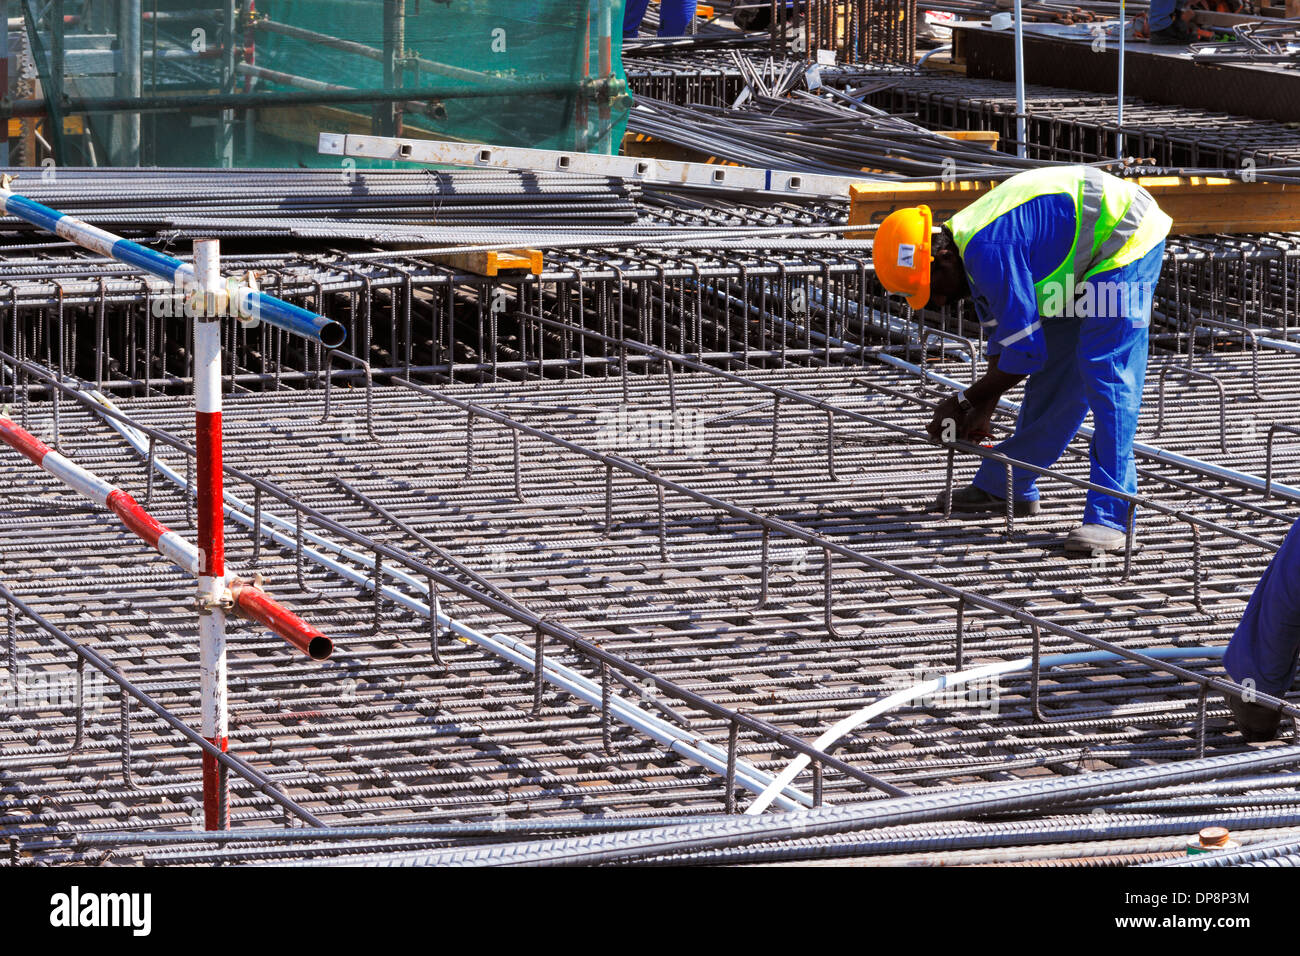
point(256, 604)
point(268, 612)
point(581, 99)
point(163, 540)
point(606, 71)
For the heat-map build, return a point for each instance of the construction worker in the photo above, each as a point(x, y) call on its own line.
point(1165, 23)
point(1061, 264)
point(674, 17)
point(1263, 652)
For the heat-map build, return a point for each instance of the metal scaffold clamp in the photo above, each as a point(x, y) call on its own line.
point(247, 319)
point(207, 604)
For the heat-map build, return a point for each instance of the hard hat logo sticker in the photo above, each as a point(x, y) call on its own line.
point(905, 256)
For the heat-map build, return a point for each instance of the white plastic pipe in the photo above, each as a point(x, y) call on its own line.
point(925, 688)
point(1119, 111)
point(1021, 135)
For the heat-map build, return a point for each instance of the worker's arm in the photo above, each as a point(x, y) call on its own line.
point(993, 384)
point(1002, 286)
point(983, 396)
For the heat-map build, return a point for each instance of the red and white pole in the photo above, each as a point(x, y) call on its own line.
point(211, 533)
point(162, 539)
point(246, 598)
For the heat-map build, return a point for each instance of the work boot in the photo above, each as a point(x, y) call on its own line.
point(1094, 539)
point(1255, 722)
point(1178, 33)
point(970, 500)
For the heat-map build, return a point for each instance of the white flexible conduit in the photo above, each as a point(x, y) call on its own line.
point(925, 688)
point(516, 652)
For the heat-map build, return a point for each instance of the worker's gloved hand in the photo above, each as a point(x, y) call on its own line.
point(946, 425)
point(950, 423)
point(979, 420)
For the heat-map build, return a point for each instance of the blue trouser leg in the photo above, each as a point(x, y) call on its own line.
point(1160, 15)
point(633, 14)
point(1051, 412)
point(675, 17)
point(1265, 646)
point(1112, 365)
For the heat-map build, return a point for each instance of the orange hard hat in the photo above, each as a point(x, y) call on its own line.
point(902, 254)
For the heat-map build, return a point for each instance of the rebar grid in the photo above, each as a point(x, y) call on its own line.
point(689, 617)
point(614, 450)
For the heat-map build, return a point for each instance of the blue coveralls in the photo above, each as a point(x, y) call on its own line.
point(1075, 363)
point(1265, 645)
point(674, 17)
point(1160, 14)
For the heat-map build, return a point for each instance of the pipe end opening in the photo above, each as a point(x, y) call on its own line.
point(333, 334)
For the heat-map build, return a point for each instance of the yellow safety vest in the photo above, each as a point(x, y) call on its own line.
point(1116, 223)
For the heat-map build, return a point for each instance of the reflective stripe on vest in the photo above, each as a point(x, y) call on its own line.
point(1126, 228)
point(1110, 214)
point(1134, 237)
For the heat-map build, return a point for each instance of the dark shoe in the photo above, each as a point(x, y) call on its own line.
point(970, 500)
point(1094, 539)
point(1256, 722)
point(1178, 33)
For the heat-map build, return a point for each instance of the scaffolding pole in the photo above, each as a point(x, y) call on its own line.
point(212, 599)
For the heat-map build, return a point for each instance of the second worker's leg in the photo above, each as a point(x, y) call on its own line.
point(633, 14)
point(675, 17)
point(1263, 652)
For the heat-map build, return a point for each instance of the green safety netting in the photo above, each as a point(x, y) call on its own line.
point(543, 54)
point(540, 73)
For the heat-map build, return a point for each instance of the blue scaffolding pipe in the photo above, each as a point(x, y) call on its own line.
point(243, 300)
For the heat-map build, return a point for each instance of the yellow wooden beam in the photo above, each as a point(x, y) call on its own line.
point(1198, 205)
point(493, 263)
point(647, 147)
point(988, 136)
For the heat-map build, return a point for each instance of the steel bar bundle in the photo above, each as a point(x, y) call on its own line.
point(1072, 126)
point(814, 134)
point(859, 31)
point(145, 200)
point(1063, 125)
